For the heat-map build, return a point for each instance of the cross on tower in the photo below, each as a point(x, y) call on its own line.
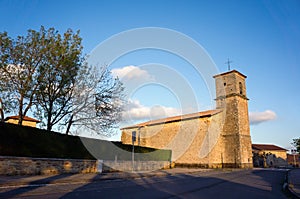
point(228, 63)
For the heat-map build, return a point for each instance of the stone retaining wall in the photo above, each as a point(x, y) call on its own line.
point(45, 166)
point(48, 166)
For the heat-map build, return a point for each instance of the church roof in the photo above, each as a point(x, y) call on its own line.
point(176, 118)
point(270, 147)
point(25, 118)
point(232, 71)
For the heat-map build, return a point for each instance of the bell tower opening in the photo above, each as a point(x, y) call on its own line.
point(241, 88)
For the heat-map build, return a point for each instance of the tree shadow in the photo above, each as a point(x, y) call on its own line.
point(237, 184)
point(33, 185)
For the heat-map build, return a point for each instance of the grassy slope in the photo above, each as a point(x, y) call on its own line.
point(32, 142)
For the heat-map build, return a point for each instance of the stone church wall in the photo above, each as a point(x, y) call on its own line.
point(197, 141)
point(220, 139)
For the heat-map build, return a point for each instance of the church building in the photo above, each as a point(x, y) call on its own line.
point(218, 138)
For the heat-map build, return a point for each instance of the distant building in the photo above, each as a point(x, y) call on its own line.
point(293, 160)
point(27, 121)
point(269, 155)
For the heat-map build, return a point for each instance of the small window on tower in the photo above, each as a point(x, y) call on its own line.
point(241, 88)
point(225, 84)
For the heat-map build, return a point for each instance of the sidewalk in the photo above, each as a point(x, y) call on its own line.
point(6, 181)
point(294, 181)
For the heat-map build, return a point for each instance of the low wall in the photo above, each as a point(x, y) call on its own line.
point(109, 166)
point(46, 166)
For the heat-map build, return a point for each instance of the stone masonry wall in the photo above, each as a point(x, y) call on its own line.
point(220, 140)
point(194, 141)
point(50, 166)
point(45, 166)
point(231, 95)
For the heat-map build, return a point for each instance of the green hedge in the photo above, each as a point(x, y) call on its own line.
point(25, 141)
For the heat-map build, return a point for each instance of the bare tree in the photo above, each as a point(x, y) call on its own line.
point(296, 144)
point(97, 103)
point(4, 52)
point(1, 111)
point(59, 72)
point(47, 69)
point(20, 60)
point(5, 104)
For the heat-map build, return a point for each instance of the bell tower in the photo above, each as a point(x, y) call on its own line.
point(232, 98)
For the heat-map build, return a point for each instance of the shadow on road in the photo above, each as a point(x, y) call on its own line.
point(32, 186)
point(220, 184)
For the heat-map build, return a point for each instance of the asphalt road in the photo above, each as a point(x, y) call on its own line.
point(215, 184)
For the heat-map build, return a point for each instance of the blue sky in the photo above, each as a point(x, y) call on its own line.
point(262, 38)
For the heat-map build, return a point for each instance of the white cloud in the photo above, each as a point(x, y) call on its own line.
point(130, 73)
point(259, 117)
point(136, 111)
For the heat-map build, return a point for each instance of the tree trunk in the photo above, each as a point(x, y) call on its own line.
point(69, 125)
point(2, 115)
point(1, 111)
point(49, 125)
point(21, 111)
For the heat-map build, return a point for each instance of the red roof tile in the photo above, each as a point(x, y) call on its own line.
point(25, 118)
point(270, 147)
point(176, 118)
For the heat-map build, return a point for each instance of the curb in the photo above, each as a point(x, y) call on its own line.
point(288, 187)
